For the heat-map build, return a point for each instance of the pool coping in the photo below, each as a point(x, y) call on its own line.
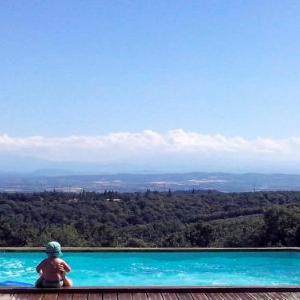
point(167, 249)
point(155, 289)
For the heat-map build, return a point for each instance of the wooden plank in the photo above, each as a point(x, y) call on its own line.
point(244, 296)
point(139, 296)
point(211, 296)
point(157, 289)
point(80, 296)
point(296, 295)
point(110, 296)
point(26, 296)
point(248, 296)
point(214, 296)
point(266, 297)
point(50, 296)
point(124, 296)
point(36, 296)
point(184, 296)
point(232, 296)
point(95, 296)
point(275, 296)
point(65, 296)
point(283, 297)
point(258, 296)
point(226, 296)
point(5, 296)
point(199, 296)
point(19, 297)
point(291, 296)
point(169, 296)
point(154, 296)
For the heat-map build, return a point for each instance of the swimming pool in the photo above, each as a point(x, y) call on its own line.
point(163, 268)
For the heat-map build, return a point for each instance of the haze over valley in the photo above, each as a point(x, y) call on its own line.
point(59, 180)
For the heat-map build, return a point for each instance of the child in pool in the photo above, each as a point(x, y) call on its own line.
point(53, 270)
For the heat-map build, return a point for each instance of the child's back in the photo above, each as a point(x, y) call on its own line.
point(52, 270)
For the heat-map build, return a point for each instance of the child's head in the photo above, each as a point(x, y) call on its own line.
point(53, 249)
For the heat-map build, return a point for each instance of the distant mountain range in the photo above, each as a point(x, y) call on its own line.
point(61, 180)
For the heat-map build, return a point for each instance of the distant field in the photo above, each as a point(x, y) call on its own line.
point(225, 182)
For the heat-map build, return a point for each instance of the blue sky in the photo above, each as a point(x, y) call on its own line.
point(94, 68)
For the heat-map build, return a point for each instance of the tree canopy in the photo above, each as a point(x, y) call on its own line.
point(151, 219)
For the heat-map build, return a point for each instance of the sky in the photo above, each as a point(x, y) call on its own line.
point(165, 85)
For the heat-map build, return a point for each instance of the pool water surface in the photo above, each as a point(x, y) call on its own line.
point(162, 268)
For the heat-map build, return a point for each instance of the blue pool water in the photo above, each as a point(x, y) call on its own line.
point(167, 268)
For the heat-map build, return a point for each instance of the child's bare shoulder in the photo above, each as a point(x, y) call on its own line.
point(59, 260)
point(42, 263)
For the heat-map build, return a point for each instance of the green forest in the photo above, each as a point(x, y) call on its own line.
point(151, 219)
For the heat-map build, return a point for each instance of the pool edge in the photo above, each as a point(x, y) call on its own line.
point(116, 249)
point(169, 289)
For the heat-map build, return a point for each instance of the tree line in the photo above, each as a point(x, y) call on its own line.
point(151, 219)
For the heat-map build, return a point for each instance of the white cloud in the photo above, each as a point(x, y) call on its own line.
point(130, 146)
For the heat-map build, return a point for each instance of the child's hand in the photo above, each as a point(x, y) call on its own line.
point(61, 268)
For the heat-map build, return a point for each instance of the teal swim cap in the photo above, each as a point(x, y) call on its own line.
point(53, 249)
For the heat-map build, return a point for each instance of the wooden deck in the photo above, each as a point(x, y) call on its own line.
point(209, 295)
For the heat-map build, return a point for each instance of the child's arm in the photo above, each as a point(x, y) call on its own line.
point(40, 266)
point(64, 267)
point(67, 267)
